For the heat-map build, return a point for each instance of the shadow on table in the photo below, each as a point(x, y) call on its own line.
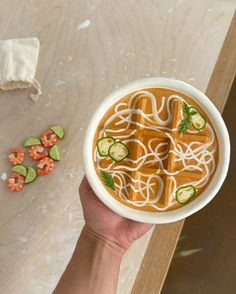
point(205, 258)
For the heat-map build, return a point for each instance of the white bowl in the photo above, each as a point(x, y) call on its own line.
point(198, 203)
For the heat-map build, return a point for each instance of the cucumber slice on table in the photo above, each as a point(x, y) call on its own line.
point(32, 141)
point(118, 151)
point(19, 169)
point(196, 119)
point(59, 131)
point(185, 193)
point(54, 153)
point(31, 175)
point(104, 144)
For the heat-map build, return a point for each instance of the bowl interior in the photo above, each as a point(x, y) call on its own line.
point(212, 188)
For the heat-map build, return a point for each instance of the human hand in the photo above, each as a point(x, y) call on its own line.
point(108, 225)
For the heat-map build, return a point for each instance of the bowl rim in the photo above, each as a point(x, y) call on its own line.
point(166, 216)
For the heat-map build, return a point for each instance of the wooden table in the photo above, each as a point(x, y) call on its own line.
point(89, 48)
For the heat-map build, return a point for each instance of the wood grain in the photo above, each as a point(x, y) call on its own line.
point(125, 40)
point(157, 258)
point(224, 71)
point(162, 244)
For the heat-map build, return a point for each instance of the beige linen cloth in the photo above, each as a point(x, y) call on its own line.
point(18, 64)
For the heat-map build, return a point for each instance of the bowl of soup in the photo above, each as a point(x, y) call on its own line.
point(156, 150)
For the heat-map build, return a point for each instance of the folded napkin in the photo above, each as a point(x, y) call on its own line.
point(18, 64)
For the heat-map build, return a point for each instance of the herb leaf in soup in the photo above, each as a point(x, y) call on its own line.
point(107, 179)
point(185, 108)
point(192, 117)
point(183, 125)
point(193, 112)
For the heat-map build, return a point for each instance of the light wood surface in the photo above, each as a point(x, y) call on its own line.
point(224, 71)
point(166, 237)
point(80, 63)
point(157, 258)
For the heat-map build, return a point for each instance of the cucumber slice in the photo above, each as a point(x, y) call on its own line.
point(19, 169)
point(54, 153)
point(118, 151)
point(59, 131)
point(104, 144)
point(185, 193)
point(31, 175)
point(196, 119)
point(193, 110)
point(32, 141)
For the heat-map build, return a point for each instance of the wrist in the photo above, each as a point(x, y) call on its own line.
point(94, 265)
point(103, 243)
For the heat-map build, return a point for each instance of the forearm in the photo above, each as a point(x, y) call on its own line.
point(94, 266)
